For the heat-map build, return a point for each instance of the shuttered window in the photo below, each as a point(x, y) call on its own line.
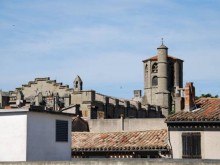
point(191, 143)
point(61, 131)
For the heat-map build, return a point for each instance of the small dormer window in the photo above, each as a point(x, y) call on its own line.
point(154, 68)
point(76, 84)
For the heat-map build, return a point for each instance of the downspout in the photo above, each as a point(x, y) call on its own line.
point(171, 149)
point(162, 156)
point(122, 122)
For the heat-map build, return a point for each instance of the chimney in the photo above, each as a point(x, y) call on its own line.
point(189, 96)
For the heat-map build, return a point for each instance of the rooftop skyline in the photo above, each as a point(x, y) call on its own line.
point(104, 42)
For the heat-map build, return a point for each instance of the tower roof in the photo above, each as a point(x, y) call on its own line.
point(162, 46)
point(78, 78)
point(154, 58)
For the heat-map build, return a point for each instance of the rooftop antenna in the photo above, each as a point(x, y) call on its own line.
point(162, 40)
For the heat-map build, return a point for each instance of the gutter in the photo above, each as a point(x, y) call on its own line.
point(206, 121)
point(151, 150)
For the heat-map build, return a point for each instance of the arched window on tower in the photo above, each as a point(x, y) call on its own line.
point(154, 68)
point(81, 85)
point(154, 81)
point(76, 84)
point(146, 69)
point(146, 75)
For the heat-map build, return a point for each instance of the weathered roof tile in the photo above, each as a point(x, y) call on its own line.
point(209, 111)
point(151, 139)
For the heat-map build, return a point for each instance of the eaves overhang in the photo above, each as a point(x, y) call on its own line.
point(187, 122)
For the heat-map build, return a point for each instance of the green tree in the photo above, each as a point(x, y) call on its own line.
point(206, 95)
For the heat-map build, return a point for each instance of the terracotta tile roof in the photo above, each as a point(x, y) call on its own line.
point(209, 110)
point(138, 140)
point(154, 58)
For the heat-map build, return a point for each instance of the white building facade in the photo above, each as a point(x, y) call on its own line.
point(204, 144)
point(196, 134)
point(34, 135)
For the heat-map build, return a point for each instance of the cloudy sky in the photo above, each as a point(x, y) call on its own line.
point(105, 41)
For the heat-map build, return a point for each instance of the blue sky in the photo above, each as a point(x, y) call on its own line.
point(105, 41)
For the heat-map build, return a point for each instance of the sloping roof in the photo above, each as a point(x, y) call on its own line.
point(162, 47)
point(154, 58)
point(209, 110)
point(116, 141)
point(78, 78)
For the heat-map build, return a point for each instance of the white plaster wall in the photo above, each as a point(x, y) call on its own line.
point(176, 143)
point(13, 135)
point(41, 142)
point(211, 145)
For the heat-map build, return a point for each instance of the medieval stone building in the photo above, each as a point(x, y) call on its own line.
point(163, 77)
point(43, 93)
point(163, 93)
point(95, 105)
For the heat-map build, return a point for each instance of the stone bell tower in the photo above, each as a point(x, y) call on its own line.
point(163, 78)
point(78, 84)
point(163, 94)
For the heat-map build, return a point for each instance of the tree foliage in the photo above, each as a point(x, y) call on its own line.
point(207, 95)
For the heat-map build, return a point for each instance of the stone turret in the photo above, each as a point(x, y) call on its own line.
point(163, 93)
point(162, 68)
point(78, 84)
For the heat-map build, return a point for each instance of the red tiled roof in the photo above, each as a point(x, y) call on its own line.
point(154, 58)
point(138, 140)
point(209, 110)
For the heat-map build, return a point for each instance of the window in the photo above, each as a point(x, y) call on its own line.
point(154, 81)
point(76, 84)
point(191, 143)
point(81, 84)
point(146, 75)
point(146, 68)
point(61, 131)
point(154, 68)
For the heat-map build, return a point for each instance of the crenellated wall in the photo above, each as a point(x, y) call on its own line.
point(98, 106)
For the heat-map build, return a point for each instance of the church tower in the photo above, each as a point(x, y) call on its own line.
point(163, 77)
point(162, 95)
point(78, 84)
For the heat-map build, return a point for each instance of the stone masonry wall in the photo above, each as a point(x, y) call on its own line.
point(115, 125)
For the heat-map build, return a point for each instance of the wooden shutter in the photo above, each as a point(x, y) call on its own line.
point(191, 144)
point(61, 131)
